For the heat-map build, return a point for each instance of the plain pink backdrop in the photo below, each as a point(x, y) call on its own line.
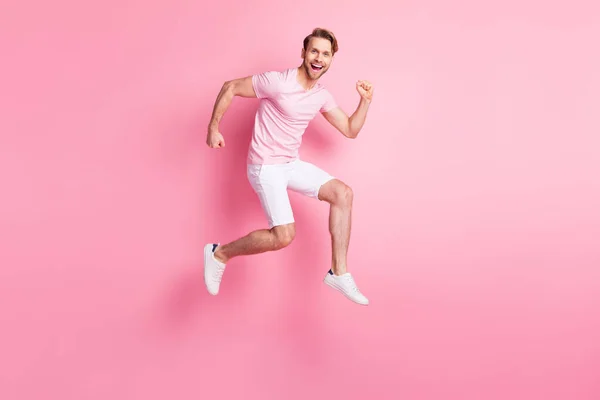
point(476, 225)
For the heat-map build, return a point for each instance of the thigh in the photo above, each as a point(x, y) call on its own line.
point(270, 184)
point(307, 178)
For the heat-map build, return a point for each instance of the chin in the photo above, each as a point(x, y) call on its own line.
point(312, 73)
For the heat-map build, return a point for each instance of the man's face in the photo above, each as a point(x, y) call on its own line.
point(317, 57)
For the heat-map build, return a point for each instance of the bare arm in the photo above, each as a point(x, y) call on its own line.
point(348, 126)
point(238, 87)
point(351, 126)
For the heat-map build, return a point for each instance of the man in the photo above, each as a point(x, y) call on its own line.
point(290, 99)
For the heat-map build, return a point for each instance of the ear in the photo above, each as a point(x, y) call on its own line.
point(302, 53)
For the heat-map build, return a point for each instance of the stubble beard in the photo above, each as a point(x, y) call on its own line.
point(312, 74)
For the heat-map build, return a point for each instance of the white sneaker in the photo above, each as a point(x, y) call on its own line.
point(345, 284)
point(213, 269)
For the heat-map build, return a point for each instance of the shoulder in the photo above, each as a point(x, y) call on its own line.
point(270, 83)
point(323, 92)
point(271, 78)
point(328, 101)
point(274, 75)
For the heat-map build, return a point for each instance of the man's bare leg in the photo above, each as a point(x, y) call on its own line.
point(256, 242)
point(259, 241)
point(340, 197)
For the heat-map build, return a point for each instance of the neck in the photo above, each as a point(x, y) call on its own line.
point(304, 80)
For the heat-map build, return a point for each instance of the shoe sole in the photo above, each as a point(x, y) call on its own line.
point(332, 285)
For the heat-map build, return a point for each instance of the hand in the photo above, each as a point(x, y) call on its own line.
point(214, 139)
point(365, 89)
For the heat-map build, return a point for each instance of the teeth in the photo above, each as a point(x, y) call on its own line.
point(317, 66)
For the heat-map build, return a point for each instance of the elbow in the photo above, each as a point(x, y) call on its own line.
point(346, 130)
point(350, 134)
point(229, 87)
point(349, 130)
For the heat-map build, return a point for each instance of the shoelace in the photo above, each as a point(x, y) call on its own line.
point(352, 284)
point(219, 273)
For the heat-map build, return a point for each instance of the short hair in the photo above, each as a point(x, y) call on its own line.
point(324, 34)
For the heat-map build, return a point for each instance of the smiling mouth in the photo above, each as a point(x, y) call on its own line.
point(316, 67)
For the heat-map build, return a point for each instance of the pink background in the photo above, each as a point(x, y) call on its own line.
point(476, 221)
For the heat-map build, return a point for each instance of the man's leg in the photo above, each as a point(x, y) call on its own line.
point(270, 184)
point(259, 241)
point(314, 182)
point(339, 196)
point(256, 242)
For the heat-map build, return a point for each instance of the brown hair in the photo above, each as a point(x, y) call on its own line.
point(325, 34)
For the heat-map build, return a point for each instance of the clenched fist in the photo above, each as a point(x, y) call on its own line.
point(214, 139)
point(365, 89)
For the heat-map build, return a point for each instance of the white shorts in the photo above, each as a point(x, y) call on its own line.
point(271, 182)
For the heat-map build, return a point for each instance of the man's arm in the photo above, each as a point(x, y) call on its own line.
point(351, 126)
point(238, 87)
point(348, 126)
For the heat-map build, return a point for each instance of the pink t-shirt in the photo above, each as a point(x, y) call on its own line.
point(284, 112)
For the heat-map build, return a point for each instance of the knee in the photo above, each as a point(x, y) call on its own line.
point(283, 236)
point(343, 195)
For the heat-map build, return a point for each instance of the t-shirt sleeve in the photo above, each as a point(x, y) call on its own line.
point(329, 103)
point(266, 84)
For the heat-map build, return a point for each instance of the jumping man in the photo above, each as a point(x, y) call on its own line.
point(290, 99)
